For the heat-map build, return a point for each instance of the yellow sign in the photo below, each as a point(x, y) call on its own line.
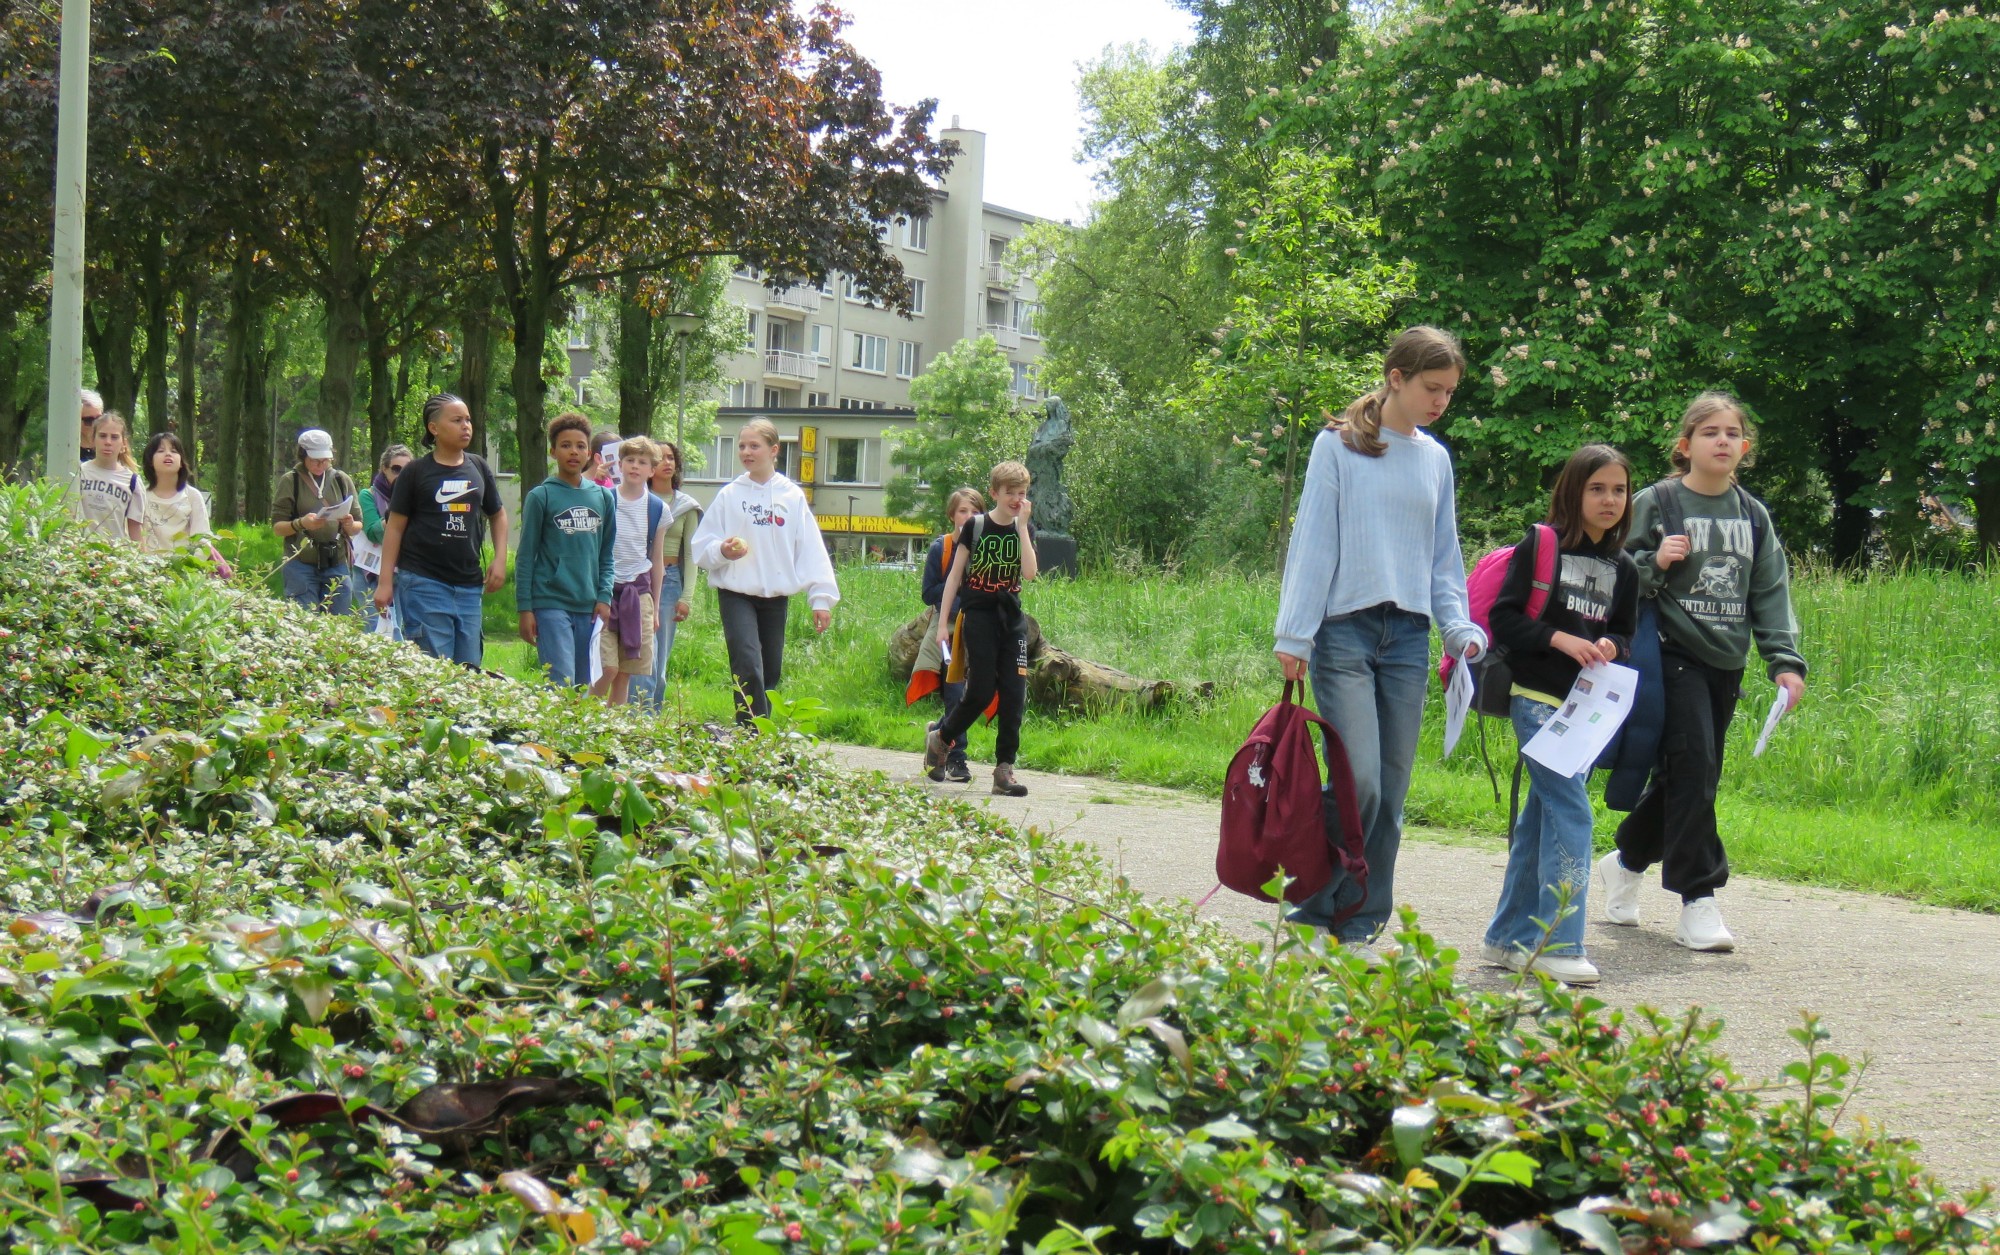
point(869, 524)
point(808, 440)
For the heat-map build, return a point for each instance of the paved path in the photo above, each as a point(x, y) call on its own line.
point(1912, 987)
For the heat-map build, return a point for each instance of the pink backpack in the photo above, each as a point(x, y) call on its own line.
point(1275, 815)
point(1492, 683)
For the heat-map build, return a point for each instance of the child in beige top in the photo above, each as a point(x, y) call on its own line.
point(173, 509)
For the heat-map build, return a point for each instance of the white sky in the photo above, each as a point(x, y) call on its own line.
point(1009, 70)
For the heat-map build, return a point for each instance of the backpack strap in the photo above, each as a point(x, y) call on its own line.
point(1673, 521)
point(1749, 505)
point(1544, 583)
point(654, 509)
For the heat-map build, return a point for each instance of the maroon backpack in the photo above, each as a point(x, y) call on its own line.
point(1275, 815)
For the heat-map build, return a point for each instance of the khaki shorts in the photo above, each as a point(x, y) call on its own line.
point(609, 653)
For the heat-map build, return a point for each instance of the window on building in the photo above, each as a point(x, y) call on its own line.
point(773, 399)
point(745, 272)
point(1024, 317)
point(1024, 380)
point(582, 392)
point(816, 400)
point(996, 313)
point(917, 233)
point(849, 403)
point(850, 290)
point(579, 336)
point(751, 321)
point(788, 458)
point(853, 460)
point(820, 341)
point(996, 248)
point(742, 392)
point(718, 460)
point(916, 296)
point(869, 353)
point(907, 353)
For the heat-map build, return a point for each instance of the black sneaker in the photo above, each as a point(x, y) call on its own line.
point(957, 772)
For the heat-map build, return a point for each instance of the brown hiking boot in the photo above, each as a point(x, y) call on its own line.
point(935, 751)
point(1004, 783)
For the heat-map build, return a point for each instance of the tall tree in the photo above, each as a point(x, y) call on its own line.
point(967, 420)
point(641, 135)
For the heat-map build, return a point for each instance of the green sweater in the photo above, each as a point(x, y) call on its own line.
point(372, 522)
point(1729, 591)
point(564, 558)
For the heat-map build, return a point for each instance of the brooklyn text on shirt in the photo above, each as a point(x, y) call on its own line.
point(1589, 583)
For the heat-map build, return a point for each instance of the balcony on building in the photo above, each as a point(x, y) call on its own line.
point(999, 275)
point(1003, 335)
point(796, 302)
point(789, 366)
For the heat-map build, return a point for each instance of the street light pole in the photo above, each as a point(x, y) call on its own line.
point(683, 326)
point(65, 425)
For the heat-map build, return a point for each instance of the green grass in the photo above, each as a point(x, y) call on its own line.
point(1887, 779)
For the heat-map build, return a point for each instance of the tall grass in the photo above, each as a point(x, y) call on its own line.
point(1887, 778)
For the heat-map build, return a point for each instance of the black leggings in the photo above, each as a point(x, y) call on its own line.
point(996, 660)
point(753, 628)
point(1674, 823)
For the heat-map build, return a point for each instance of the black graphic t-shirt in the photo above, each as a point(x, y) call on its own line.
point(447, 507)
point(1596, 597)
point(992, 562)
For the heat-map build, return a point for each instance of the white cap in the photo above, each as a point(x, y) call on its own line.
point(315, 443)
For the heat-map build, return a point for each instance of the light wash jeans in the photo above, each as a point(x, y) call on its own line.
point(562, 644)
point(326, 589)
point(442, 619)
point(652, 689)
point(1551, 848)
point(365, 605)
point(1368, 674)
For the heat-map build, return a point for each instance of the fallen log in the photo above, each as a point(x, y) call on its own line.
point(1057, 679)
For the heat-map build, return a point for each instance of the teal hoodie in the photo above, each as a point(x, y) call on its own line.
point(564, 559)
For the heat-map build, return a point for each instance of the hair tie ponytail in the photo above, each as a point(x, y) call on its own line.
point(1415, 351)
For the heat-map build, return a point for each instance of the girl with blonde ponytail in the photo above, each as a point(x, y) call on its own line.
point(1374, 562)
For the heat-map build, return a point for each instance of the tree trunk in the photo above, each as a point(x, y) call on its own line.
point(187, 358)
point(259, 413)
point(346, 293)
point(156, 296)
point(531, 329)
point(381, 392)
point(475, 364)
point(229, 427)
point(638, 381)
point(13, 413)
point(110, 343)
point(1986, 505)
point(1852, 518)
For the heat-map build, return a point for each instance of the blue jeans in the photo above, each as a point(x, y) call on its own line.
point(1551, 848)
point(652, 689)
point(442, 619)
point(318, 588)
point(562, 644)
point(1368, 674)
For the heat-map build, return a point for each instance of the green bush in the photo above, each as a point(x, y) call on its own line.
point(574, 978)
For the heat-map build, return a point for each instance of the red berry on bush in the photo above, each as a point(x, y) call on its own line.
point(794, 1231)
point(355, 1071)
point(631, 1240)
point(291, 1175)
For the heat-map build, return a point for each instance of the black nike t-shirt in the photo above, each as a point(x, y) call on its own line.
point(446, 507)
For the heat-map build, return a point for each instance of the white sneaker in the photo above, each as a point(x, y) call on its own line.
point(1621, 890)
point(1369, 956)
point(1570, 969)
point(1701, 927)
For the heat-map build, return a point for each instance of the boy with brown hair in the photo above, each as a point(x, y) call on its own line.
point(993, 556)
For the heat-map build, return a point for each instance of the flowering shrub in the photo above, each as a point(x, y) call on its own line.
point(319, 944)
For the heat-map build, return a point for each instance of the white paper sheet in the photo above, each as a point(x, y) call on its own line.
point(1586, 721)
point(1777, 712)
point(1457, 704)
point(338, 509)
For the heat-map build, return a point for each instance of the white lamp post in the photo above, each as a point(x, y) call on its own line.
point(65, 423)
point(683, 325)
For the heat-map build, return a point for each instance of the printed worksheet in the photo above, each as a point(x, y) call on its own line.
point(1457, 703)
point(1586, 721)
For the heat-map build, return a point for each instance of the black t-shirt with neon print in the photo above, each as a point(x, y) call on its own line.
point(992, 562)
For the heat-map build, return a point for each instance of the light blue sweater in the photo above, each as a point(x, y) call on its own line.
point(1374, 530)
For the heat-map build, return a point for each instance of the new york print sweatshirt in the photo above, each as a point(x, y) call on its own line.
point(1728, 592)
point(786, 554)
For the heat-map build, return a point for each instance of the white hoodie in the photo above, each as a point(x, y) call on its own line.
point(786, 554)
